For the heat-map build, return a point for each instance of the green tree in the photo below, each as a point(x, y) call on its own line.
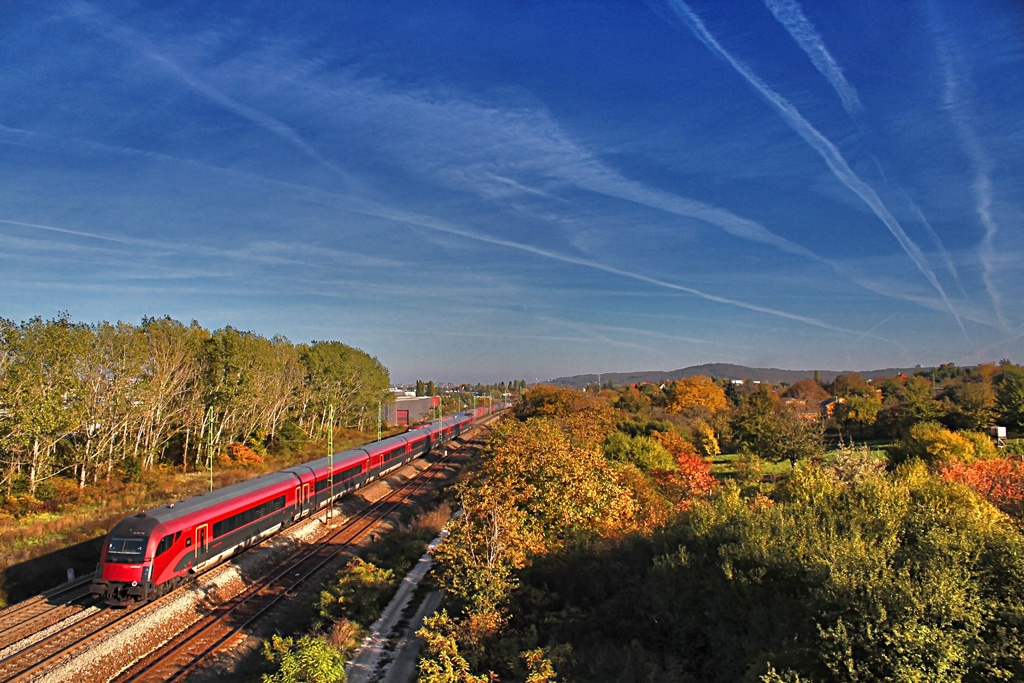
point(110, 371)
point(1010, 395)
point(642, 451)
point(937, 446)
point(879, 577)
point(917, 403)
point(357, 593)
point(42, 393)
point(172, 390)
point(774, 432)
point(349, 379)
point(972, 404)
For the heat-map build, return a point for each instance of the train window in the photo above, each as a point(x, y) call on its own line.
point(177, 535)
point(247, 516)
point(188, 542)
point(165, 544)
point(126, 550)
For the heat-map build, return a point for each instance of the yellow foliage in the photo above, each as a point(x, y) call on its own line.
point(697, 393)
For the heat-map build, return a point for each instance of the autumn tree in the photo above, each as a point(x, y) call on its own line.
point(999, 481)
point(807, 391)
point(697, 396)
point(851, 384)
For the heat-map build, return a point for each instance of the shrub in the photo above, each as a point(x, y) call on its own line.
point(1000, 481)
point(643, 451)
point(309, 659)
point(937, 446)
point(130, 469)
point(243, 455)
point(358, 593)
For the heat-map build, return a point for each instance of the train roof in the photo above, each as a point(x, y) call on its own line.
point(181, 508)
point(342, 460)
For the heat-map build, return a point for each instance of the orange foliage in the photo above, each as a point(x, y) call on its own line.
point(243, 455)
point(675, 444)
point(692, 477)
point(1001, 481)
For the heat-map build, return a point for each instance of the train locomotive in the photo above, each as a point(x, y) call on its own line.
point(153, 552)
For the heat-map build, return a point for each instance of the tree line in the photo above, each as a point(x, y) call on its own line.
point(85, 400)
point(595, 544)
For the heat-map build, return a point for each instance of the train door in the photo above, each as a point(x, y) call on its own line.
point(305, 496)
point(202, 542)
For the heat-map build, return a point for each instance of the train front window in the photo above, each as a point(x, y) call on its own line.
point(126, 550)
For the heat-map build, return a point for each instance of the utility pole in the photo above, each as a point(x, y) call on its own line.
point(330, 462)
point(380, 406)
point(209, 444)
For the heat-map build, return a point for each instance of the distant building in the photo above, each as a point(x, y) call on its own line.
point(828, 406)
point(408, 410)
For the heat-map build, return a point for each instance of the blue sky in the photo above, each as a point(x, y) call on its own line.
point(478, 191)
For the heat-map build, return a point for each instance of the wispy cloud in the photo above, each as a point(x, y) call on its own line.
point(789, 14)
point(959, 110)
point(135, 41)
point(822, 145)
point(443, 227)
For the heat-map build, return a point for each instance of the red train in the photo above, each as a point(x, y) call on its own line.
point(150, 553)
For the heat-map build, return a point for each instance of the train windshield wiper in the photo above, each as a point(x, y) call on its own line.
point(126, 550)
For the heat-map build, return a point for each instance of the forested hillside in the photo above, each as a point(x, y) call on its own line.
point(704, 532)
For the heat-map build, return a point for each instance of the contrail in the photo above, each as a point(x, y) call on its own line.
point(77, 233)
point(789, 14)
point(937, 241)
point(828, 151)
point(132, 39)
point(960, 114)
point(430, 224)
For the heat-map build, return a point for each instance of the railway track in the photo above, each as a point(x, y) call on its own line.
point(39, 637)
point(63, 640)
point(217, 631)
point(31, 616)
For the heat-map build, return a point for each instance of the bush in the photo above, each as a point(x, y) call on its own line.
point(289, 437)
point(130, 469)
point(358, 593)
point(938, 447)
point(309, 659)
point(243, 455)
point(643, 451)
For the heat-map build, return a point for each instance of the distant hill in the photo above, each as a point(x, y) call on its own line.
point(726, 370)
